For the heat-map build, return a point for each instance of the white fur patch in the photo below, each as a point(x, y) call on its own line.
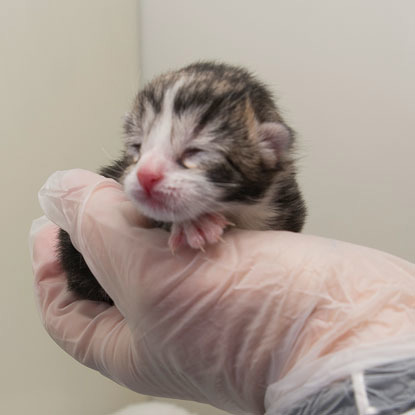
point(159, 136)
point(170, 133)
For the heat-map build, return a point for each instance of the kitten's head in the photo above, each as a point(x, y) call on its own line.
point(201, 138)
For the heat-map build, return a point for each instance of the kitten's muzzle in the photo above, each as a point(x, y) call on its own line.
point(148, 178)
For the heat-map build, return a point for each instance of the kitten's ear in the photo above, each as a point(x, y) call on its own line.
point(275, 140)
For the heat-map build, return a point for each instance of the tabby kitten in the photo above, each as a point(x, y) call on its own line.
point(205, 148)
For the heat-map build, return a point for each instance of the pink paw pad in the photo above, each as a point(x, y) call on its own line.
point(195, 235)
point(212, 228)
point(207, 229)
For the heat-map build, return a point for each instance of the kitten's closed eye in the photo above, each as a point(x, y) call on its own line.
point(188, 158)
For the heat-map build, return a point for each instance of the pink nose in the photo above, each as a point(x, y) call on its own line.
point(148, 178)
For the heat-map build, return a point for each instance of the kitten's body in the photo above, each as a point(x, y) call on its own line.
point(205, 146)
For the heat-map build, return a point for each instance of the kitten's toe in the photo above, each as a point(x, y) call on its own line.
point(207, 229)
point(177, 237)
point(195, 236)
point(212, 228)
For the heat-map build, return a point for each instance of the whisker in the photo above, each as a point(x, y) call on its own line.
point(107, 154)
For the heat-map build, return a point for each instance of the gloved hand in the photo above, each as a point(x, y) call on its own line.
point(248, 325)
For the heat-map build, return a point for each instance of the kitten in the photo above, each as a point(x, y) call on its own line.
point(205, 148)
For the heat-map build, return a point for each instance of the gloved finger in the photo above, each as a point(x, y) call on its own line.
point(36, 226)
point(63, 195)
point(89, 331)
point(99, 218)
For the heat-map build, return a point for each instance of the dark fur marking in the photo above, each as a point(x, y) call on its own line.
point(80, 278)
point(249, 188)
point(291, 207)
point(149, 95)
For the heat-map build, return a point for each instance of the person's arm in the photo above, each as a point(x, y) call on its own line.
point(260, 310)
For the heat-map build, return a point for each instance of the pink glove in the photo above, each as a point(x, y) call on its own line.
point(252, 324)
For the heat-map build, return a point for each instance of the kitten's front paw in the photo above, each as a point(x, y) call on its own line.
point(207, 229)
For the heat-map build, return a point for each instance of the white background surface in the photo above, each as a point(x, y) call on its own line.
point(343, 72)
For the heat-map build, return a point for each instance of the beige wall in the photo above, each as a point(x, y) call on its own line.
point(344, 72)
point(68, 73)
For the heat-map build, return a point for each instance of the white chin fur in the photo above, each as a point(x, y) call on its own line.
point(158, 214)
point(183, 205)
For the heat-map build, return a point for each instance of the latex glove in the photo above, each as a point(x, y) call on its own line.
point(253, 322)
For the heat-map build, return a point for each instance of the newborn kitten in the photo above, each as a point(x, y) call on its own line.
point(205, 148)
